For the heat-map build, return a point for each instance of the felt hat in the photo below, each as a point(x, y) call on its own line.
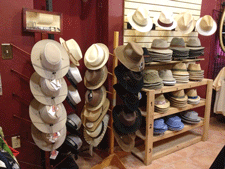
point(73, 50)
point(179, 95)
point(178, 44)
point(47, 91)
point(185, 22)
point(73, 123)
point(131, 56)
point(73, 96)
point(95, 98)
point(74, 75)
point(160, 46)
point(161, 102)
point(165, 20)
point(180, 69)
point(166, 75)
point(48, 141)
point(140, 20)
point(96, 56)
point(151, 76)
point(95, 137)
point(94, 79)
point(194, 44)
point(49, 59)
point(192, 95)
point(131, 81)
point(206, 25)
point(48, 119)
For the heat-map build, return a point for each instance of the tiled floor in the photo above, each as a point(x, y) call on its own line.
point(197, 156)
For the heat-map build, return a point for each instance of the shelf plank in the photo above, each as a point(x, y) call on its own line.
point(178, 86)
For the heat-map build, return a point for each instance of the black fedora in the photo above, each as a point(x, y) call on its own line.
point(131, 81)
point(125, 120)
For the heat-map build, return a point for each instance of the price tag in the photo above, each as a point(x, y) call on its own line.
point(56, 84)
point(53, 110)
point(54, 154)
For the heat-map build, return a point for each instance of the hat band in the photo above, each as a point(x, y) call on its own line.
point(102, 129)
point(182, 70)
point(177, 46)
point(159, 48)
point(192, 97)
point(140, 24)
point(73, 123)
point(164, 24)
point(70, 76)
point(195, 70)
point(193, 46)
point(179, 97)
point(160, 102)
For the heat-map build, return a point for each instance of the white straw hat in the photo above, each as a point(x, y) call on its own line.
point(206, 25)
point(165, 20)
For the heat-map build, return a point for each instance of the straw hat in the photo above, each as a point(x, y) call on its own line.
point(180, 69)
point(95, 137)
point(178, 44)
point(161, 102)
point(166, 75)
point(48, 119)
point(160, 46)
point(165, 20)
point(206, 26)
point(195, 67)
point(194, 44)
point(151, 76)
point(48, 141)
point(49, 59)
point(73, 50)
point(73, 123)
point(95, 98)
point(93, 79)
point(131, 56)
point(192, 95)
point(140, 20)
point(185, 22)
point(96, 56)
point(179, 95)
point(74, 75)
point(73, 96)
point(47, 91)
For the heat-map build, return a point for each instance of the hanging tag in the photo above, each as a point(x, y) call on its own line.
point(54, 137)
point(55, 83)
point(91, 150)
point(52, 110)
point(54, 154)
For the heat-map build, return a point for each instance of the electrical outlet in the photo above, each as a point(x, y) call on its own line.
point(16, 142)
point(7, 52)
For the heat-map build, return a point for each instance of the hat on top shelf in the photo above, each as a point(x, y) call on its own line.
point(74, 75)
point(195, 71)
point(140, 20)
point(185, 22)
point(49, 59)
point(178, 99)
point(180, 73)
point(193, 98)
point(190, 117)
point(206, 25)
point(194, 44)
point(152, 79)
point(161, 103)
point(165, 20)
point(167, 77)
point(179, 50)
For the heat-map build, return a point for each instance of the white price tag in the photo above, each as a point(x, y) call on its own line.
point(56, 84)
point(54, 154)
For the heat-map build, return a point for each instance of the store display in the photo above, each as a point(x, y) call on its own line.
point(140, 20)
point(165, 20)
point(193, 98)
point(159, 126)
point(180, 73)
point(185, 22)
point(167, 77)
point(73, 97)
point(152, 79)
point(196, 49)
point(180, 52)
point(190, 117)
point(195, 72)
point(178, 99)
point(174, 123)
point(161, 104)
point(73, 123)
point(206, 25)
point(74, 75)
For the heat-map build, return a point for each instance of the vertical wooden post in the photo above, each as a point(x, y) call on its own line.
point(207, 110)
point(149, 127)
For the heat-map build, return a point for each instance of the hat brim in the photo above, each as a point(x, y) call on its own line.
point(195, 48)
point(40, 124)
point(183, 73)
point(205, 33)
point(36, 60)
point(189, 119)
point(41, 97)
point(92, 116)
point(163, 51)
point(95, 141)
point(139, 28)
point(163, 106)
point(180, 49)
point(180, 99)
point(106, 54)
point(166, 28)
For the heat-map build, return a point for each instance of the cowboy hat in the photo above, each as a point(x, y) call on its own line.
point(206, 25)
point(74, 75)
point(73, 123)
point(48, 141)
point(49, 59)
point(165, 20)
point(131, 56)
point(73, 50)
point(47, 91)
point(93, 79)
point(140, 20)
point(96, 56)
point(185, 22)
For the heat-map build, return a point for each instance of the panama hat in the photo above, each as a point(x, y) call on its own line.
point(192, 95)
point(161, 102)
point(131, 56)
point(47, 91)
point(73, 97)
point(73, 50)
point(194, 67)
point(95, 137)
point(160, 46)
point(95, 98)
point(96, 56)
point(140, 20)
point(73, 123)
point(194, 44)
point(165, 20)
point(180, 69)
point(48, 119)
point(151, 76)
point(74, 75)
point(206, 25)
point(178, 44)
point(166, 75)
point(48, 141)
point(185, 22)
point(94, 79)
point(49, 59)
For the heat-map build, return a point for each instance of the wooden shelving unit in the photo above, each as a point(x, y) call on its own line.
point(158, 146)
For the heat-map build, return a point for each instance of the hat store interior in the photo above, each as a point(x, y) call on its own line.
point(112, 84)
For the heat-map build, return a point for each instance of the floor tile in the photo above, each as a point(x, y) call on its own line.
point(171, 158)
point(185, 164)
point(204, 160)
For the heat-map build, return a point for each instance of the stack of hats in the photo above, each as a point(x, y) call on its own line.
point(195, 71)
point(159, 127)
point(180, 52)
point(178, 99)
point(127, 117)
point(196, 49)
point(152, 79)
point(160, 51)
point(180, 73)
point(193, 98)
point(167, 77)
point(94, 114)
point(174, 123)
point(161, 104)
point(190, 117)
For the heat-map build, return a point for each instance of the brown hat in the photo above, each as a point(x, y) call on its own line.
point(185, 22)
point(206, 25)
point(93, 79)
point(180, 69)
point(131, 56)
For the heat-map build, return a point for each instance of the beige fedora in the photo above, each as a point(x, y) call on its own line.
point(140, 20)
point(194, 44)
point(206, 25)
point(180, 69)
point(96, 56)
point(47, 91)
point(94, 79)
point(95, 137)
point(73, 50)
point(165, 20)
point(49, 59)
point(48, 119)
point(161, 102)
point(160, 46)
point(131, 56)
point(48, 141)
point(185, 22)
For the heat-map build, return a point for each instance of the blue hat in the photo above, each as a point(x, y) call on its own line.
point(174, 123)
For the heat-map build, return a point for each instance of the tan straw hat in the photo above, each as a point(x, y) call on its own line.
point(161, 102)
point(195, 67)
point(194, 44)
point(160, 46)
point(165, 20)
point(206, 25)
point(192, 95)
point(49, 59)
point(179, 95)
point(180, 69)
point(185, 22)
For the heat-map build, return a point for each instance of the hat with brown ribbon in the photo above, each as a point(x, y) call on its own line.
point(185, 22)
point(160, 46)
point(165, 20)
point(206, 25)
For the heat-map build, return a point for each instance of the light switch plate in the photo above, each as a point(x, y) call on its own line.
point(7, 52)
